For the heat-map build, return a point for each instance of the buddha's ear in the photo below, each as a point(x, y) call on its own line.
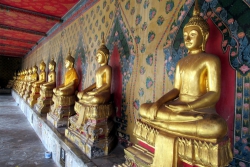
point(205, 41)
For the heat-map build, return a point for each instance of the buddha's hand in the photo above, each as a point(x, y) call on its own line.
point(54, 90)
point(92, 93)
point(80, 94)
point(178, 108)
point(153, 111)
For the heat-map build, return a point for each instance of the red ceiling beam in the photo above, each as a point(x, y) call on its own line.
point(18, 40)
point(13, 46)
point(11, 52)
point(11, 55)
point(6, 7)
point(22, 30)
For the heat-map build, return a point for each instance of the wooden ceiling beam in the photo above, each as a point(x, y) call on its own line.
point(18, 40)
point(14, 46)
point(6, 7)
point(23, 30)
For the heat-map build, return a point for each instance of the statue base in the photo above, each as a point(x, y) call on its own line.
point(27, 93)
point(44, 101)
point(191, 151)
point(92, 129)
point(32, 100)
point(60, 111)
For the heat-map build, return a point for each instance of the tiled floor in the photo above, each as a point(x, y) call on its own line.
point(21, 147)
point(19, 144)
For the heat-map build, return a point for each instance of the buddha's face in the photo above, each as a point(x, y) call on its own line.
point(42, 67)
point(100, 58)
point(51, 67)
point(34, 69)
point(68, 64)
point(193, 38)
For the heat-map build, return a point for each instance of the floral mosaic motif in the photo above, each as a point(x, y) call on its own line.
point(106, 24)
point(100, 14)
point(138, 19)
point(152, 13)
point(143, 48)
point(160, 20)
point(151, 36)
point(97, 9)
point(136, 104)
point(90, 39)
point(90, 26)
point(137, 39)
point(96, 23)
point(107, 8)
point(132, 29)
point(138, 1)
point(92, 13)
point(149, 101)
point(103, 19)
point(146, 3)
point(127, 6)
point(111, 15)
point(132, 12)
point(142, 70)
point(141, 92)
point(239, 43)
point(149, 82)
point(104, 4)
point(169, 6)
point(144, 26)
point(96, 37)
point(149, 59)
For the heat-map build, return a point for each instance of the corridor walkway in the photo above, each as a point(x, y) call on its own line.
point(19, 144)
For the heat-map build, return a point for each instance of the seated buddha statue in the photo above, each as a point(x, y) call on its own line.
point(51, 83)
point(184, 122)
point(24, 79)
point(42, 75)
point(32, 78)
point(189, 108)
point(64, 95)
point(35, 87)
point(46, 90)
point(93, 121)
point(99, 92)
point(71, 80)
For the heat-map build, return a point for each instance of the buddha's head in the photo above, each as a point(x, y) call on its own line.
point(102, 54)
point(30, 70)
point(69, 62)
point(42, 66)
point(34, 69)
point(196, 31)
point(52, 65)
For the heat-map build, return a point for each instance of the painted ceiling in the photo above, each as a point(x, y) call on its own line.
point(24, 22)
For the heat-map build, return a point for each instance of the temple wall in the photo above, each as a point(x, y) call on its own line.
point(146, 38)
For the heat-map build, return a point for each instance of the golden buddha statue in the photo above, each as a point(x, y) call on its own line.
point(186, 115)
point(35, 90)
point(64, 95)
point(24, 79)
point(99, 92)
point(51, 84)
point(46, 90)
point(33, 77)
point(94, 110)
